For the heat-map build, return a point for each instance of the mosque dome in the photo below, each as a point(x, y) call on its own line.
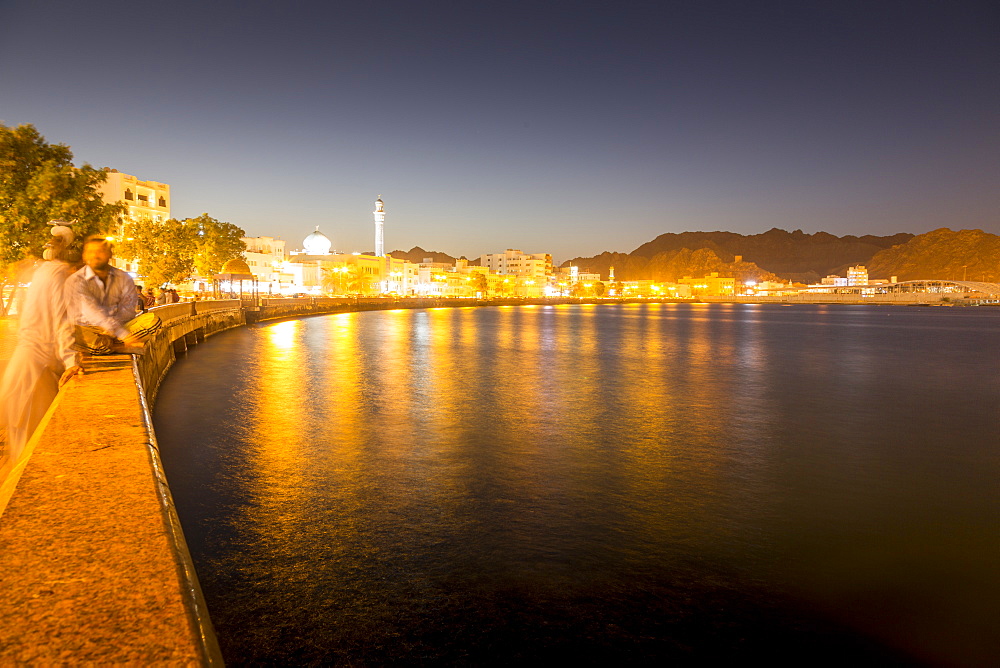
point(317, 243)
point(235, 266)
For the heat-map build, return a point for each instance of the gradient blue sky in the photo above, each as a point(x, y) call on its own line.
point(562, 127)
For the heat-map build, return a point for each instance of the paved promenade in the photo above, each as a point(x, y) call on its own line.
point(8, 337)
point(90, 572)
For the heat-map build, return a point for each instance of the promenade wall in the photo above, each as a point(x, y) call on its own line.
point(96, 569)
point(902, 298)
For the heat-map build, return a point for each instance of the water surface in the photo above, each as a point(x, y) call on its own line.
point(628, 484)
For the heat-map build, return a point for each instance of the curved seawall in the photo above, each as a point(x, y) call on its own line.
point(96, 566)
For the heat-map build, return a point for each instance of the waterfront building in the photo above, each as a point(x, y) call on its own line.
point(319, 270)
point(265, 256)
point(144, 201)
point(711, 285)
point(513, 262)
point(440, 279)
point(857, 275)
point(570, 280)
point(573, 274)
point(437, 283)
point(765, 288)
point(655, 289)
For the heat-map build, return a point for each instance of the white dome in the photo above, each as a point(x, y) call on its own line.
point(317, 243)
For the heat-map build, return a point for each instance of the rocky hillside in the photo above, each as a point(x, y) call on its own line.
point(781, 255)
point(416, 255)
point(789, 255)
point(944, 254)
point(674, 264)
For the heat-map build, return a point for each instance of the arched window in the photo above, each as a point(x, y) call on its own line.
point(128, 194)
point(162, 202)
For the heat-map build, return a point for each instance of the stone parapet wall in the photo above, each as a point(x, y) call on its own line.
point(96, 566)
point(835, 298)
point(96, 569)
point(184, 325)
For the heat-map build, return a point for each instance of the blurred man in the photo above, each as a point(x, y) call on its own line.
point(44, 358)
point(140, 300)
point(102, 302)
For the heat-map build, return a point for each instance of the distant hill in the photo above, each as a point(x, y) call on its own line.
point(944, 254)
point(416, 255)
point(782, 255)
point(672, 265)
point(788, 255)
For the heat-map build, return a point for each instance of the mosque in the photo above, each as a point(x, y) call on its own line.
point(318, 269)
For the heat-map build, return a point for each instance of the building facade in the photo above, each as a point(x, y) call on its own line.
point(711, 285)
point(265, 256)
point(513, 262)
point(146, 200)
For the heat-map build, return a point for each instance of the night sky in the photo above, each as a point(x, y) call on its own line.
point(562, 127)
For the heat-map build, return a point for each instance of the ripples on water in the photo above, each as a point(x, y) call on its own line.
point(625, 484)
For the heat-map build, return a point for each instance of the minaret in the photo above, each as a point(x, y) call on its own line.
point(379, 214)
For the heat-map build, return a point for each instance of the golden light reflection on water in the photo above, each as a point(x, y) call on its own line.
point(400, 396)
point(385, 464)
point(275, 405)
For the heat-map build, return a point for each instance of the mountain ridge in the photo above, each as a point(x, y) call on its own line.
point(780, 255)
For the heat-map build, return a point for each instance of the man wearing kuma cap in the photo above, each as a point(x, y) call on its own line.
point(44, 357)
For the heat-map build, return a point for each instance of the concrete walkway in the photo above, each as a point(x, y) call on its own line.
point(94, 568)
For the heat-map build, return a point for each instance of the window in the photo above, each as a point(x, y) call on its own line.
point(162, 202)
point(128, 194)
point(144, 198)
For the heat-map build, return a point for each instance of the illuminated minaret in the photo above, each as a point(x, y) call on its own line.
point(379, 214)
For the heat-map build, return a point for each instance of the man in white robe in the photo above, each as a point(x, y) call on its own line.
point(44, 358)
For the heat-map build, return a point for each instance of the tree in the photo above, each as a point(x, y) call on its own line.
point(164, 251)
point(345, 279)
point(599, 289)
point(39, 183)
point(216, 243)
point(480, 283)
point(172, 251)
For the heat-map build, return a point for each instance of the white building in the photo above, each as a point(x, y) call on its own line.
point(515, 263)
point(146, 200)
point(317, 270)
point(857, 275)
point(265, 256)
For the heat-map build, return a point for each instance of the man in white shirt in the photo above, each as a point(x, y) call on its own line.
point(101, 301)
point(44, 358)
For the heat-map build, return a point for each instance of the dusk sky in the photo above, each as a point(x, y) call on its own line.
point(562, 127)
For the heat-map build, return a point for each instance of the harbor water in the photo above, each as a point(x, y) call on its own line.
point(603, 484)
